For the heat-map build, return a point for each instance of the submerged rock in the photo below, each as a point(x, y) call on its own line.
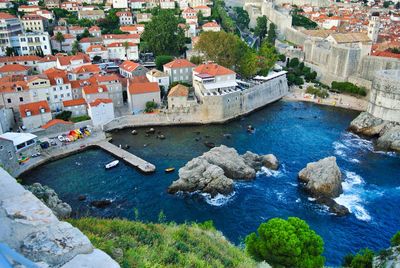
point(334, 207)
point(101, 203)
point(50, 198)
point(257, 161)
point(214, 171)
point(322, 178)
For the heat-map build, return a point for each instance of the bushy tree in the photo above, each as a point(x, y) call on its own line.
point(161, 60)
point(363, 259)
point(261, 28)
point(395, 241)
point(162, 34)
point(196, 60)
point(242, 17)
point(267, 57)
point(76, 47)
point(150, 106)
point(271, 34)
point(287, 243)
point(294, 62)
point(64, 115)
point(60, 38)
point(247, 66)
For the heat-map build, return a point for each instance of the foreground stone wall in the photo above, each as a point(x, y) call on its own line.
point(385, 95)
point(370, 64)
point(31, 228)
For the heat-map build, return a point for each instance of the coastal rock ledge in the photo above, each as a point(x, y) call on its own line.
point(214, 172)
point(388, 132)
point(323, 181)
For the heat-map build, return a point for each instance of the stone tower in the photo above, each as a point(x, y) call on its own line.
point(373, 27)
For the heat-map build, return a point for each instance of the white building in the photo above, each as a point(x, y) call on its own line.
point(34, 23)
point(60, 88)
point(179, 70)
point(141, 93)
point(178, 97)
point(10, 26)
point(160, 77)
point(125, 17)
point(211, 27)
point(66, 45)
point(35, 114)
point(120, 3)
point(32, 43)
point(97, 51)
point(130, 69)
point(123, 51)
point(101, 111)
point(167, 4)
point(77, 107)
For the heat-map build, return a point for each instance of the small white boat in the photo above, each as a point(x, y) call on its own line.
point(112, 164)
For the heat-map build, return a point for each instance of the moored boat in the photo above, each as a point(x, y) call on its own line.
point(112, 164)
point(170, 169)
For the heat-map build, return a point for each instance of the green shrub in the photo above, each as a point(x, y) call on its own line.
point(286, 243)
point(150, 106)
point(363, 259)
point(348, 87)
point(80, 118)
point(321, 93)
point(163, 59)
point(64, 115)
point(395, 241)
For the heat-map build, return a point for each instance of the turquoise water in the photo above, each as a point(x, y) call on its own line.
point(297, 133)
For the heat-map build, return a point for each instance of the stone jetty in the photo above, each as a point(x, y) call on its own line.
point(129, 158)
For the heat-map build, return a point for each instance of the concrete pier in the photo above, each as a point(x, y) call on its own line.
point(127, 156)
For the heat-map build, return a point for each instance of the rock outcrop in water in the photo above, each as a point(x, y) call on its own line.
point(388, 132)
point(50, 198)
point(214, 172)
point(323, 180)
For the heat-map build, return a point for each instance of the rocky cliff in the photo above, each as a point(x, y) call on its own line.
point(387, 132)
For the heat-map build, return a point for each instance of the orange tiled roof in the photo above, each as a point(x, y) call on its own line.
point(212, 69)
point(66, 60)
point(55, 122)
point(54, 73)
point(179, 91)
point(120, 44)
point(75, 102)
point(139, 79)
point(4, 16)
point(129, 65)
point(143, 88)
point(211, 24)
point(92, 47)
point(94, 89)
point(179, 63)
point(86, 68)
point(13, 68)
point(34, 108)
point(97, 102)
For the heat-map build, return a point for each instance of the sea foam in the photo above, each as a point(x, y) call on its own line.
point(218, 200)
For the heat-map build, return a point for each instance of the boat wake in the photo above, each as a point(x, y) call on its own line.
point(353, 187)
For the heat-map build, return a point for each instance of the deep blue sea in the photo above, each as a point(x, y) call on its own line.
point(297, 133)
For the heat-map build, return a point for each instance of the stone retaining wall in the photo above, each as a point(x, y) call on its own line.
point(31, 228)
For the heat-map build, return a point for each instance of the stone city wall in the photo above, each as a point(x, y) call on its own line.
point(30, 228)
point(385, 95)
point(370, 64)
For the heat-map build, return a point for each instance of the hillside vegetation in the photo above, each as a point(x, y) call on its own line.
point(138, 244)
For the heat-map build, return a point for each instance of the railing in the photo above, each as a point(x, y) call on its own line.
point(7, 253)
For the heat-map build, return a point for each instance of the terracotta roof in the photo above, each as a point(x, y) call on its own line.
point(91, 40)
point(20, 58)
point(80, 83)
point(97, 102)
point(129, 65)
point(13, 68)
point(157, 73)
point(56, 122)
point(69, 103)
point(179, 91)
point(66, 60)
point(32, 17)
point(94, 89)
point(120, 44)
point(212, 69)
point(121, 36)
point(143, 88)
point(139, 79)
point(86, 69)
point(211, 24)
point(48, 58)
point(4, 16)
point(179, 63)
point(123, 13)
point(94, 28)
point(105, 78)
point(34, 108)
point(10, 86)
point(91, 48)
point(55, 73)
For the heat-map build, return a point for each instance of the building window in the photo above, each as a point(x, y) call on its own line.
point(10, 156)
point(21, 99)
point(8, 100)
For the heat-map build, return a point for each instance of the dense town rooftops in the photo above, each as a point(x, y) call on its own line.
point(5, 16)
point(212, 69)
point(55, 122)
point(34, 108)
point(19, 59)
point(90, 68)
point(67, 60)
point(179, 91)
point(97, 102)
point(13, 86)
point(179, 63)
point(54, 73)
point(143, 88)
point(75, 102)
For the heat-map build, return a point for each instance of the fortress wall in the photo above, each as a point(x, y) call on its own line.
point(370, 64)
point(385, 95)
point(294, 36)
point(318, 3)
